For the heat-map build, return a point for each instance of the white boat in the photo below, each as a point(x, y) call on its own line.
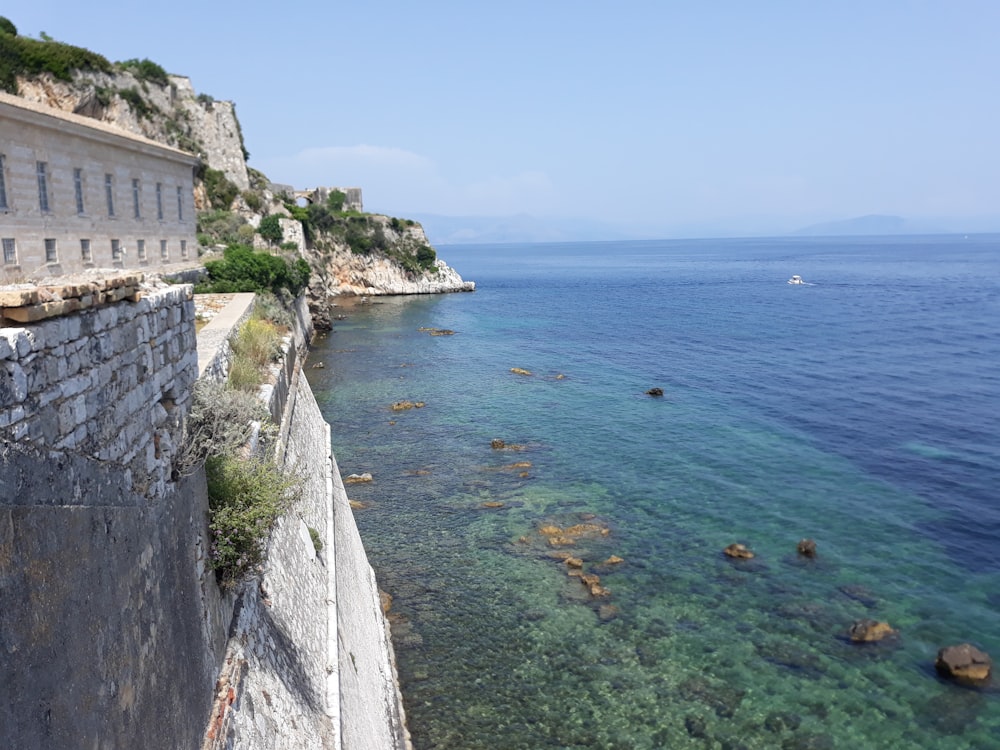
point(796, 280)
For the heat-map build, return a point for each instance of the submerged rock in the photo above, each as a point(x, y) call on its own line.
point(520, 371)
point(607, 612)
point(654, 392)
point(807, 548)
point(497, 444)
point(866, 631)
point(696, 727)
point(860, 594)
point(964, 663)
point(358, 478)
point(722, 699)
point(405, 405)
point(779, 721)
point(738, 551)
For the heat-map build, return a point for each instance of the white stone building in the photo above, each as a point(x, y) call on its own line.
point(76, 193)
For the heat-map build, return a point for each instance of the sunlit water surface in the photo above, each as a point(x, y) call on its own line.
point(861, 411)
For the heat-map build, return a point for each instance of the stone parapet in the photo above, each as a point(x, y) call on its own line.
point(111, 382)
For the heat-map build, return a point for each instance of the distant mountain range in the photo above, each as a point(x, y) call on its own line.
point(462, 230)
point(868, 225)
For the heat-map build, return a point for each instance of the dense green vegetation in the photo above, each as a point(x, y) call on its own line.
point(363, 233)
point(221, 191)
point(270, 229)
point(222, 227)
point(23, 56)
point(244, 270)
point(139, 105)
point(145, 70)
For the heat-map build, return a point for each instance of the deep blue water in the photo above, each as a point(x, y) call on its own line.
point(862, 410)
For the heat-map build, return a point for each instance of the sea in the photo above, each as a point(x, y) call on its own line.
point(570, 590)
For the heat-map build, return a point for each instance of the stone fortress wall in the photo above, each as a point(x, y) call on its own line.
point(111, 622)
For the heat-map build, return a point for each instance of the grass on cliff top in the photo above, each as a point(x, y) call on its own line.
point(23, 56)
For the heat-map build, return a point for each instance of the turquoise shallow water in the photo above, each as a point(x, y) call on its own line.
point(860, 411)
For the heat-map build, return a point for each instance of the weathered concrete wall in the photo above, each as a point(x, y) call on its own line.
point(370, 703)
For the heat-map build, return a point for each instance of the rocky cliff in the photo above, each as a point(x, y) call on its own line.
point(378, 255)
point(165, 110)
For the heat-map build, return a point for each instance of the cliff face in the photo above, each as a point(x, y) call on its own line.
point(373, 255)
point(169, 113)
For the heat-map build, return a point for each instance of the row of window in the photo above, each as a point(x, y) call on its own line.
point(42, 173)
point(118, 251)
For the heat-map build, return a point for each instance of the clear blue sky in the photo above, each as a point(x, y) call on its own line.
point(711, 113)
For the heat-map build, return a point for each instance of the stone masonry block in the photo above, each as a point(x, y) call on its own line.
point(10, 416)
point(21, 339)
point(13, 384)
point(73, 386)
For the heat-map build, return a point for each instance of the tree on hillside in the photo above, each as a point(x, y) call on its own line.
point(270, 229)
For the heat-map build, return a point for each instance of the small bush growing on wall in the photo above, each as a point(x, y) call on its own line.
point(245, 497)
point(335, 200)
point(317, 542)
point(7, 26)
point(255, 346)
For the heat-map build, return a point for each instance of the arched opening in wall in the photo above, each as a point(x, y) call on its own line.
point(303, 202)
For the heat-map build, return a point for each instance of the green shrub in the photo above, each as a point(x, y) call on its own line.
point(289, 246)
point(335, 200)
point(258, 180)
point(146, 70)
point(317, 542)
point(253, 200)
point(426, 256)
point(245, 497)
point(31, 57)
point(222, 226)
point(7, 26)
point(244, 270)
point(270, 307)
point(270, 229)
point(221, 421)
point(139, 105)
point(221, 191)
point(259, 341)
